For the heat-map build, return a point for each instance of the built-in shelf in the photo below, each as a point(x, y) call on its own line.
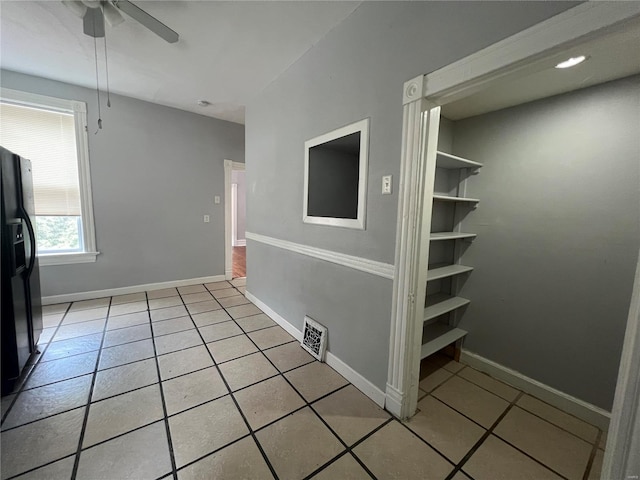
point(435, 236)
point(441, 303)
point(436, 273)
point(437, 336)
point(449, 198)
point(446, 160)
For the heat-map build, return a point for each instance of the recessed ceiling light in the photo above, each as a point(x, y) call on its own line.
point(204, 103)
point(572, 62)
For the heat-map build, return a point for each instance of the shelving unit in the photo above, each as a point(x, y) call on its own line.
point(443, 305)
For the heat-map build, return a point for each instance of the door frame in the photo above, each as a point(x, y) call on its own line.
point(229, 167)
point(422, 98)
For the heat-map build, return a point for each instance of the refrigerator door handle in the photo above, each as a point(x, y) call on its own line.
point(32, 240)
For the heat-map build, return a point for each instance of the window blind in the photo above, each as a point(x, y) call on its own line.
point(47, 138)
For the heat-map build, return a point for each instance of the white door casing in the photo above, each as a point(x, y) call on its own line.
point(229, 166)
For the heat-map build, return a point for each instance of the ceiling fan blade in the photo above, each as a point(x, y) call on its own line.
point(93, 23)
point(147, 20)
point(111, 14)
point(76, 7)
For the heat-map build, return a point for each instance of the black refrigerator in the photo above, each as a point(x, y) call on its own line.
point(21, 303)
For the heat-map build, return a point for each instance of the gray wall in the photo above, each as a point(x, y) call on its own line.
point(154, 173)
point(355, 72)
point(239, 178)
point(558, 235)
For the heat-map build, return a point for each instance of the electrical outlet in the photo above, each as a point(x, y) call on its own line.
point(386, 184)
point(216, 199)
point(206, 219)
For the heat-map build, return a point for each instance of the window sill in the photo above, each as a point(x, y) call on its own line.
point(67, 258)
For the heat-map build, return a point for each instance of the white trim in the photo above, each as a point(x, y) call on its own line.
point(579, 24)
point(75, 297)
point(358, 381)
point(241, 243)
point(234, 214)
point(229, 166)
point(394, 400)
point(67, 258)
point(576, 407)
point(361, 126)
point(624, 432)
point(380, 269)
point(79, 111)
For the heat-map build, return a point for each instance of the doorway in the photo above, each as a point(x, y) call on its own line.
point(235, 217)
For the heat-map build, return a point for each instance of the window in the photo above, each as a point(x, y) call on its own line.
point(51, 132)
point(335, 177)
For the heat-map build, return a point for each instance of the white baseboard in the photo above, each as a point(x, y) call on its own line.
point(576, 407)
point(393, 401)
point(358, 381)
point(241, 243)
point(75, 297)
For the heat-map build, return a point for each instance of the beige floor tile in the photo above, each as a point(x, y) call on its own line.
point(446, 430)
point(223, 293)
point(298, 444)
point(434, 378)
point(42, 402)
point(73, 346)
point(125, 378)
point(241, 460)
point(6, 402)
point(219, 331)
point(230, 348)
point(184, 361)
point(66, 332)
point(55, 308)
point(162, 293)
point(245, 371)
point(191, 289)
point(381, 453)
point(52, 438)
point(267, 401)
point(345, 468)
point(130, 320)
point(126, 335)
point(447, 363)
point(169, 312)
point(217, 285)
point(243, 311)
point(315, 380)
point(52, 320)
point(126, 353)
point(165, 302)
point(129, 298)
point(233, 301)
point(201, 307)
point(242, 290)
point(173, 325)
point(206, 428)
point(209, 318)
point(63, 369)
point(460, 476)
point(558, 417)
point(239, 282)
point(559, 450)
point(350, 414)
point(270, 337)
point(127, 308)
point(421, 394)
point(79, 316)
point(177, 341)
point(134, 409)
point(90, 304)
point(495, 460)
point(46, 335)
point(485, 381)
point(255, 322)
point(136, 455)
point(288, 356)
point(469, 399)
point(192, 389)
point(197, 297)
point(596, 466)
point(60, 470)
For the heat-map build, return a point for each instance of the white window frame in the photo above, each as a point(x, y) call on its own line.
point(361, 126)
point(79, 111)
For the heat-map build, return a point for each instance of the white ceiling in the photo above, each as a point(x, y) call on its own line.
point(227, 52)
point(614, 54)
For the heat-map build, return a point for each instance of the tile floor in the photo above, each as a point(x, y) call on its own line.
point(198, 383)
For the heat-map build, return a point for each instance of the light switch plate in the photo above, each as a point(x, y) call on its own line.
point(206, 219)
point(216, 199)
point(386, 184)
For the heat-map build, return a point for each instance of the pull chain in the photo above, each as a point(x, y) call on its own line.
point(106, 67)
point(95, 51)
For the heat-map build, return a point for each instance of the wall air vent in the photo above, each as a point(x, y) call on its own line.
point(314, 338)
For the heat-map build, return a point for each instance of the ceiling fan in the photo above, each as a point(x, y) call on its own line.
point(95, 12)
